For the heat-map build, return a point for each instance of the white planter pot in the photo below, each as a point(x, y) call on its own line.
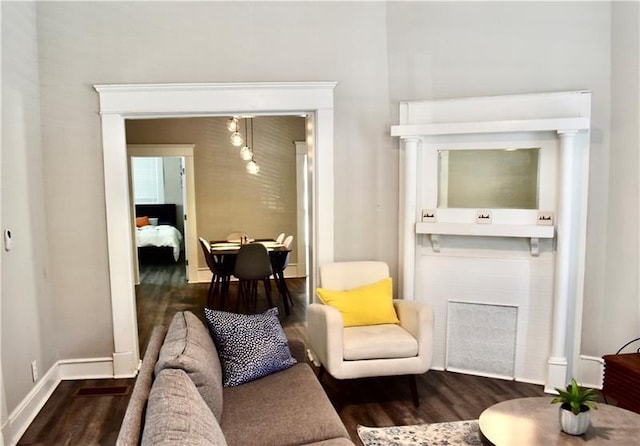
point(574, 424)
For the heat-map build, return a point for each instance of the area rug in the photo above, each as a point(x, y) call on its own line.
point(458, 433)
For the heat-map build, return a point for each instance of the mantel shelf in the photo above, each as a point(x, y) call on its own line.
point(533, 232)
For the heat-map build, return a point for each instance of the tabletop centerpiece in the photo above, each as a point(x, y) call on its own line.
point(575, 407)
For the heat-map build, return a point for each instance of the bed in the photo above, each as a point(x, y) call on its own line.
point(157, 238)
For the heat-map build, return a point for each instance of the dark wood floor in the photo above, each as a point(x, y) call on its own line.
point(72, 419)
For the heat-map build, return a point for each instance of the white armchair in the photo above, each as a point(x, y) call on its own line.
point(374, 350)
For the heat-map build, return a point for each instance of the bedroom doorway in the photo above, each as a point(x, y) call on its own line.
point(185, 220)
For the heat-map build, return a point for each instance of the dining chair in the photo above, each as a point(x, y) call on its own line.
point(287, 241)
point(280, 238)
point(252, 265)
point(220, 275)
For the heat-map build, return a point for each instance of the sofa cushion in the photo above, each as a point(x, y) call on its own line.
point(366, 305)
point(177, 414)
point(188, 346)
point(288, 407)
point(250, 345)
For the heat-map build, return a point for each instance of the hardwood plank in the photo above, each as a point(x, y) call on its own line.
point(383, 401)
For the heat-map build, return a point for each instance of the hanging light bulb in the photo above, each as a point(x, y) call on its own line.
point(253, 168)
point(232, 124)
point(236, 139)
point(246, 153)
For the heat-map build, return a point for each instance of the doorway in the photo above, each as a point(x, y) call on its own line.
point(120, 102)
point(188, 213)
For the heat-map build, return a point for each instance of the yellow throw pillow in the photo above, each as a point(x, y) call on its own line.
point(367, 305)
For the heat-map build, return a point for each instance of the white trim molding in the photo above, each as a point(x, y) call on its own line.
point(427, 126)
point(145, 101)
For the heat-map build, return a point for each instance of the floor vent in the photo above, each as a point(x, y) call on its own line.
point(103, 391)
point(481, 339)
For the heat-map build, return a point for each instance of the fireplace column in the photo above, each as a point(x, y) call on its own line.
point(565, 263)
point(408, 222)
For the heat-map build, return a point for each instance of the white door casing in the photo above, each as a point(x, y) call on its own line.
point(143, 101)
point(301, 207)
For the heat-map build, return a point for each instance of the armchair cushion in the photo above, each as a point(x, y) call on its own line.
point(365, 305)
point(378, 342)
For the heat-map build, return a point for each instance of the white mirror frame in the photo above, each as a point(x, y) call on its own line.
point(145, 101)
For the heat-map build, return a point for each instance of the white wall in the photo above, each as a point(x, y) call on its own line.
point(28, 328)
point(379, 53)
point(173, 187)
point(613, 316)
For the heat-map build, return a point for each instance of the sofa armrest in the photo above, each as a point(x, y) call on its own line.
point(417, 319)
point(131, 429)
point(325, 334)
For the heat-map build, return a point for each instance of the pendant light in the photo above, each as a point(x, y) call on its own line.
point(236, 139)
point(252, 166)
point(232, 124)
point(246, 153)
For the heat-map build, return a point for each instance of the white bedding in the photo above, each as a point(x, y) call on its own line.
point(161, 235)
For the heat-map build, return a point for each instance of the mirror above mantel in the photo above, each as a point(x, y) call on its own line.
point(490, 178)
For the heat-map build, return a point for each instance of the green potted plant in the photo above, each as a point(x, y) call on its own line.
point(575, 406)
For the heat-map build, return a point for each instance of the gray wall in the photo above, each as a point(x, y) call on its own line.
point(379, 53)
point(28, 305)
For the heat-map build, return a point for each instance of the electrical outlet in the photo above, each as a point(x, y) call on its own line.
point(483, 217)
point(428, 215)
point(545, 218)
point(34, 370)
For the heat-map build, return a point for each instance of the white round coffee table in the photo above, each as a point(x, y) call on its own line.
point(534, 421)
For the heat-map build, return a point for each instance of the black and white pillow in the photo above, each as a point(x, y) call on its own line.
point(250, 346)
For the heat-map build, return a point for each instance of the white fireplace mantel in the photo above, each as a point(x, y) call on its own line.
point(425, 124)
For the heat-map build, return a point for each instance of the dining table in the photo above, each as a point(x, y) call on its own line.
point(225, 254)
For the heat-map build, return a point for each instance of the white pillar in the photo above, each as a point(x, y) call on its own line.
point(408, 222)
point(565, 265)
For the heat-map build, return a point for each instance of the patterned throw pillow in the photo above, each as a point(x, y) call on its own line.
point(250, 346)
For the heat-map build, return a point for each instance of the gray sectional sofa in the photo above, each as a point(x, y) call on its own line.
point(178, 398)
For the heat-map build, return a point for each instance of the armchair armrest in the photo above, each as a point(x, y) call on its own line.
point(324, 331)
point(417, 319)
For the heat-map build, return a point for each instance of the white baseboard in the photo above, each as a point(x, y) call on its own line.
point(90, 368)
point(590, 371)
point(69, 369)
point(22, 416)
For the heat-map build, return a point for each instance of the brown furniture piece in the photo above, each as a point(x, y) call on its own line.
point(534, 421)
point(622, 380)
